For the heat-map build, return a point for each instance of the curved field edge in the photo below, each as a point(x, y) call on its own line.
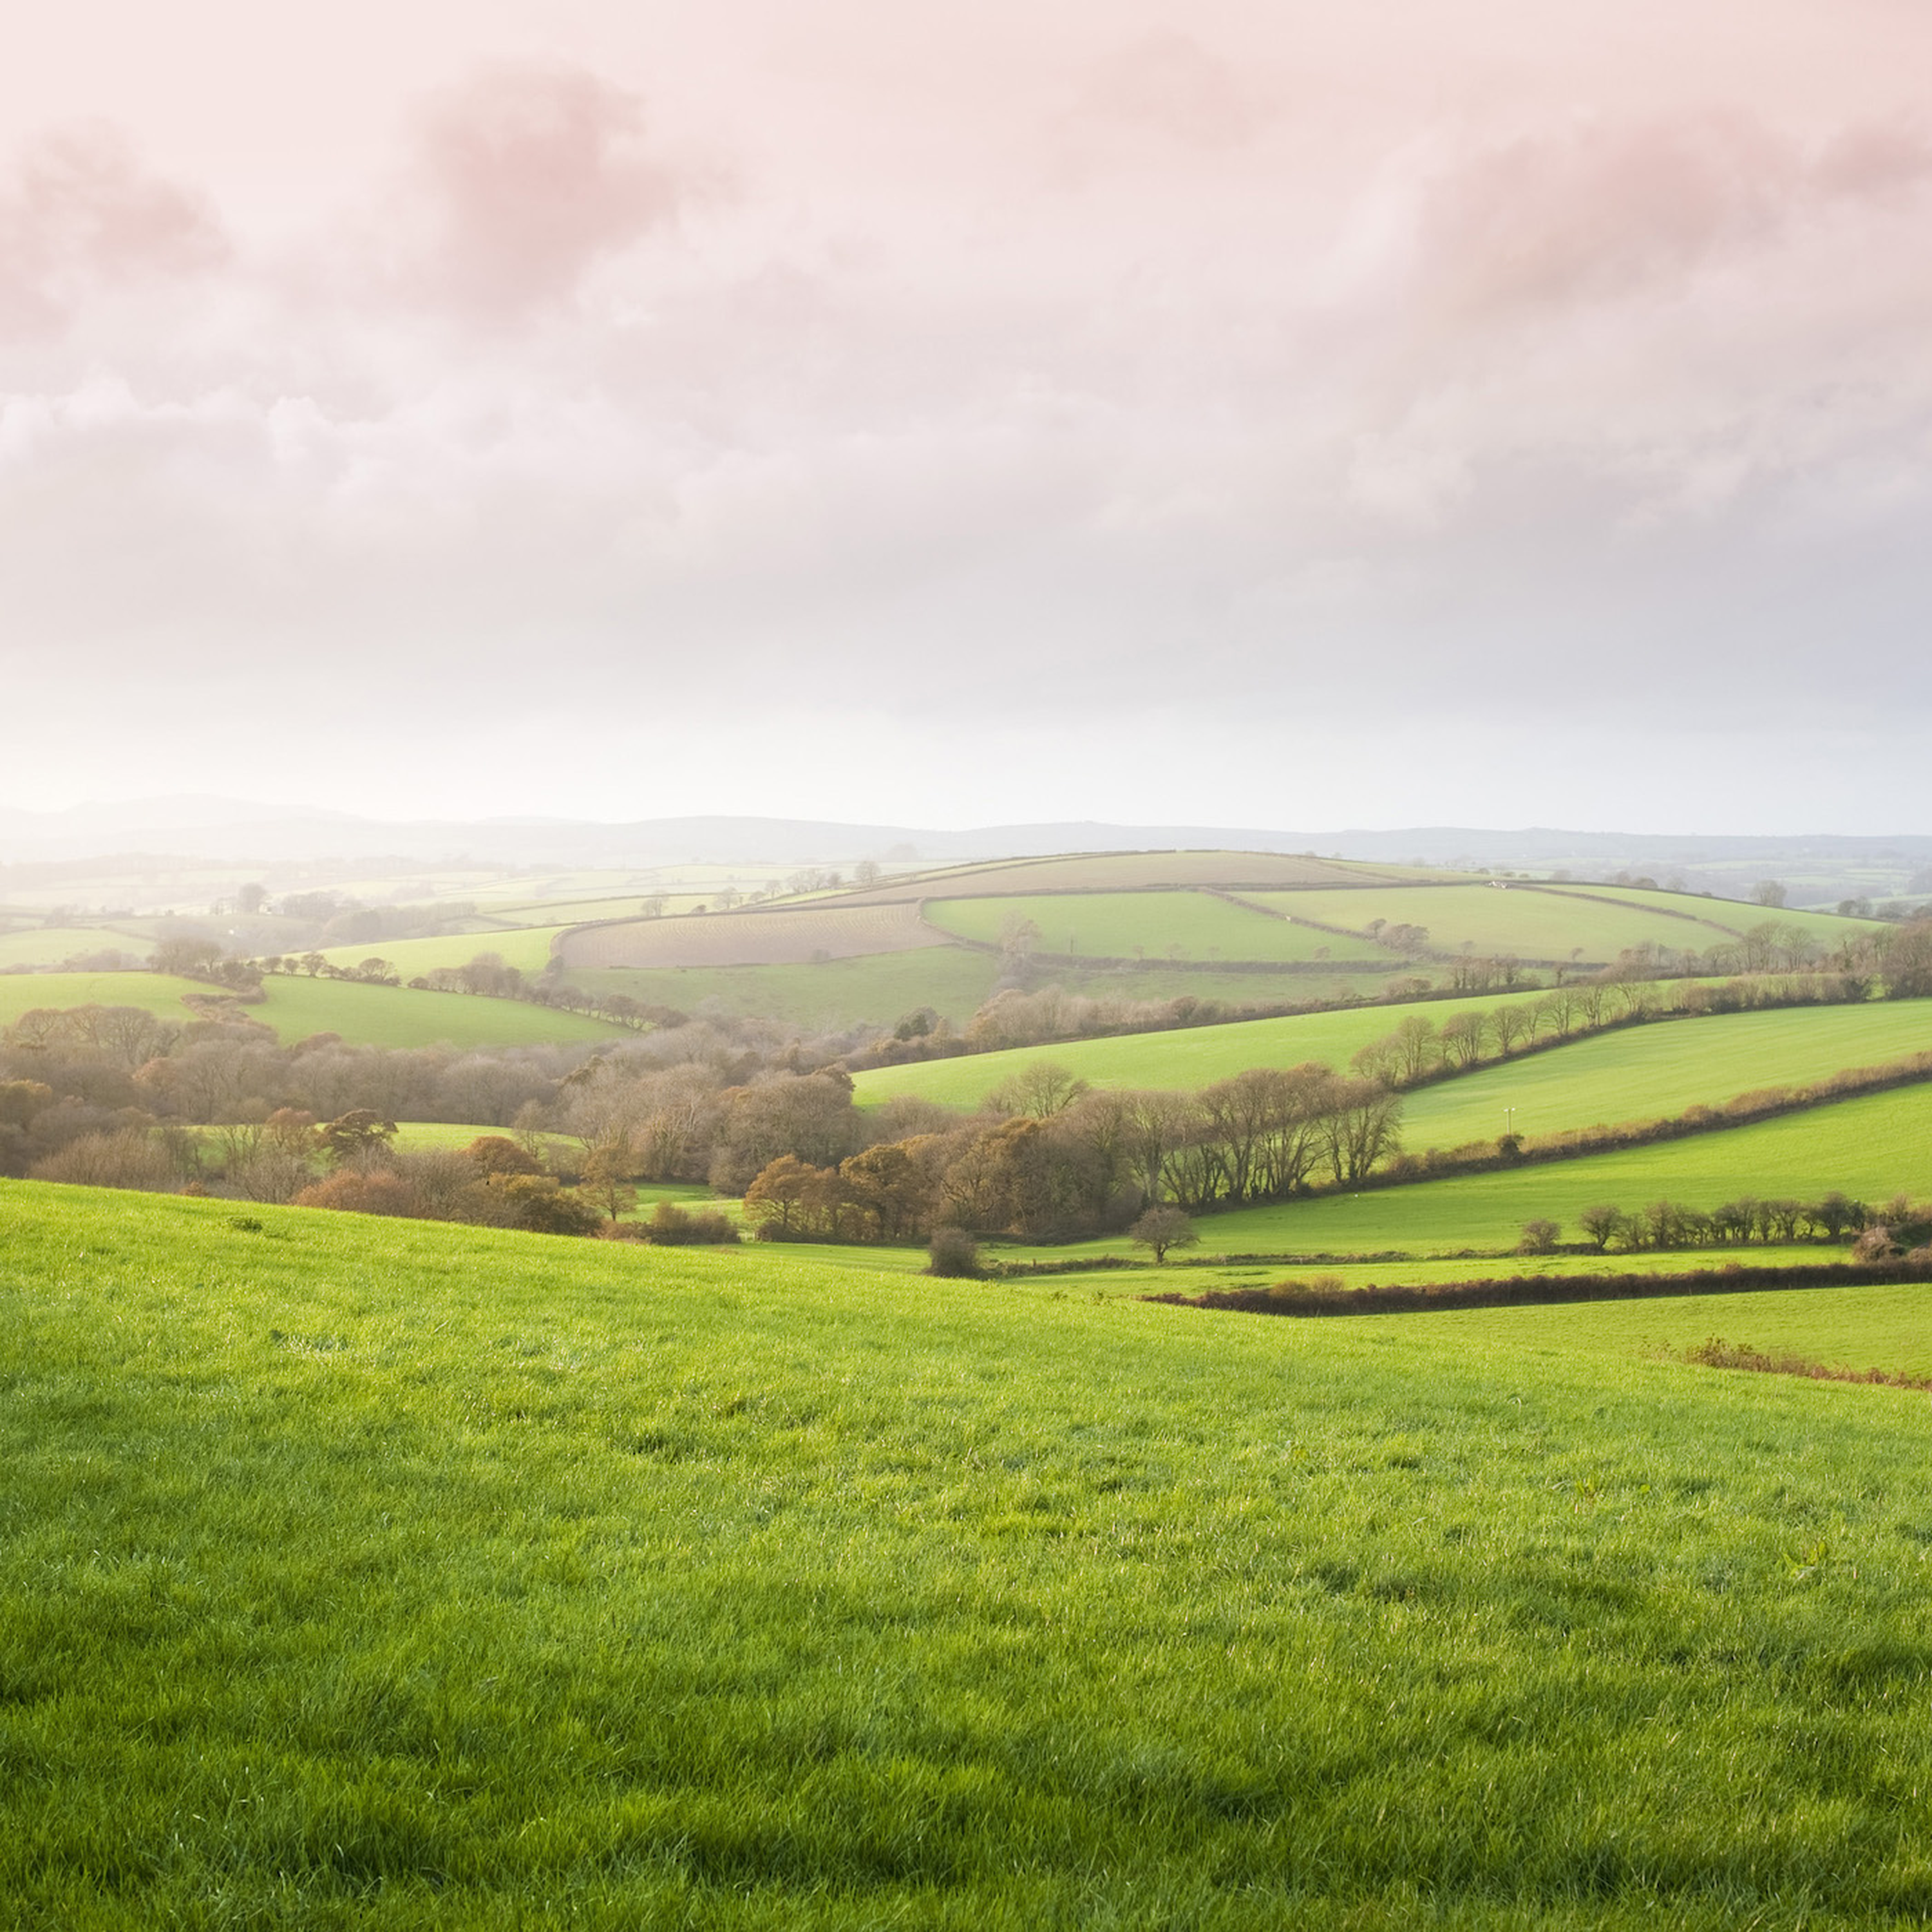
point(1873, 1148)
point(296, 1009)
point(526, 948)
point(1127, 872)
point(1645, 1073)
point(1196, 926)
point(784, 936)
point(419, 1575)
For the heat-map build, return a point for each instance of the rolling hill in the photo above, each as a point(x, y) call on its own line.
point(380, 1572)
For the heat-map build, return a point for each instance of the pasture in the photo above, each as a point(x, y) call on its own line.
point(561, 912)
point(398, 1016)
point(294, 1009)
point(152, 992)
point(45, 946)
point(1739, 915)
point(1522, 920)
point(1871, 1148)
point(1153, 924)
point(1187, 1056)
point(1126, 871)
point(1195, 1272)
point(526, 948)
point(830, 996)
point(398, 1575)
point(1662, 1068)
point(783, 936)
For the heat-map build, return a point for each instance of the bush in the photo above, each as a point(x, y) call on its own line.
point(954, 1256)
point(130, 1158)
point(671, 1226)
point(1539, 1237)
point(356, 1190)
point(536, 1204)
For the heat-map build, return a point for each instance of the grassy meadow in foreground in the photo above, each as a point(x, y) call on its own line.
point(387, 1574)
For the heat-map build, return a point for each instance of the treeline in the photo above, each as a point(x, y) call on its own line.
point(1054, 1159)
point(1418, 1050)
point(488, 976)
point(96, 1070)
point(1901, 1226)
point(351, 1165)
point(1671, 1225)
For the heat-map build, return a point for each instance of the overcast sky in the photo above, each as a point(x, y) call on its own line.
point(1281, 414)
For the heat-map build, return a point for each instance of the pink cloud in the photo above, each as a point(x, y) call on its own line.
point(81, 212)
point(524, 177)
point(1600, 210)
point(1167, 81)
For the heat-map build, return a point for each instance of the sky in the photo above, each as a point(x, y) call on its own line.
point(1272, 415)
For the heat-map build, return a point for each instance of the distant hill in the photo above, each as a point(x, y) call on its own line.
point(239, 832)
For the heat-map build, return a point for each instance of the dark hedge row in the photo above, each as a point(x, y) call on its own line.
point(1531, 1291)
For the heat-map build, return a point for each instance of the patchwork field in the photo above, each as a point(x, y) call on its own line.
point(392, 1575)
point(1190, 1056)
point(1534, 923)
point(1740, 915)
point(1870, 1148)
point(1645, 1072)
point(1127, 872)
point(830, 996)
point(42, 945)
point(526, 948)
point(295, 1008)
point(152, 992)
point(1155, 924)
point(784, 937)
point(575, 912)
point(397, 1016)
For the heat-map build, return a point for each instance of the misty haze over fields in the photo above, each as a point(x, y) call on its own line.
point(1389, 416)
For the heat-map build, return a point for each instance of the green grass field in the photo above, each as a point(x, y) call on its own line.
point(48, 946)
point(296, 1008)
point(1662, 1068)
point(1529, 923)
point(559, 912)
point(1123, 925)
point(1125, 872)
point(397, 1016)
point(831, 995)
point(1739, 915)
point(1872, 1148)
point(527, 949)
point(152, 992)
point(1182, 1275)
point(388, 1575)
point(1187, 1056)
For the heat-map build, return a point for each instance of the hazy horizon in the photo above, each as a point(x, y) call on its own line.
point(1263, 417)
